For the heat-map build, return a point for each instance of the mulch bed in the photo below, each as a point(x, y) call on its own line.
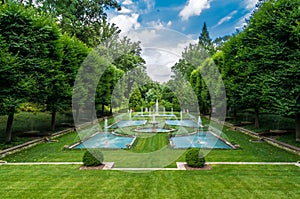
point(100, 167)
point(206, 167)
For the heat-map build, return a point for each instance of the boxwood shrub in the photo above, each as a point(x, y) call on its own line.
point(195, 158)
point(92, 157)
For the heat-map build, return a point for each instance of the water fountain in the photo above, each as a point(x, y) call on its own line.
point(164, 111)
point(154, 122)
point(180, 115)
point(199, 122)
point(156, 107)
point(130, 112)
point(105, 125)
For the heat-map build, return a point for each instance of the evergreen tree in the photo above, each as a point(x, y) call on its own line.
point(205, 41)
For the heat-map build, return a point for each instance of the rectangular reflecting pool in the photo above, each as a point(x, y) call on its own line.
point(204, 140)
point(186, 123)
point(127, 123)
point(109, 141)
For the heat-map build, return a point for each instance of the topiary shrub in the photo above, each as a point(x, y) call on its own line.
point(92, 157)
point(195, 158)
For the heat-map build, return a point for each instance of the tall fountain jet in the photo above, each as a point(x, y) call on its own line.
point(130, 112)
point(105, 126)
point(180, 115)
point(156, 107)
point(199, 122)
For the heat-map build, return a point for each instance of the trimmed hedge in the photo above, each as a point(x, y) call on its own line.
point(92, 157)
point(195, 158)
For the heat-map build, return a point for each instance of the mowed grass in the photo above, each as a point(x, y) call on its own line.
point(223, 181)
point(150, 143)
point(154, 149)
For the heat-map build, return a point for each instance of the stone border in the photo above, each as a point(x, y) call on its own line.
point(32, 143)
point(276, 143)
point(37, 141)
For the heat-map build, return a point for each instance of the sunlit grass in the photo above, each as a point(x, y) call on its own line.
point(223, 181)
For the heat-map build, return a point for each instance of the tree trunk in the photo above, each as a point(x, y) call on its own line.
point(9, 125)
point(110, 109)
point(53, 117)
point(257, 125)
point(298, 127)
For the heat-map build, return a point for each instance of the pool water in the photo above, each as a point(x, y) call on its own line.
point(186, 123)
point(205, 140)
point(127, 123)
point(110, 141)
point(157, 115)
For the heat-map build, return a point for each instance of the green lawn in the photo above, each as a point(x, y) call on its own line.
point(152, 143)
point(223, 181)
point(249, 152)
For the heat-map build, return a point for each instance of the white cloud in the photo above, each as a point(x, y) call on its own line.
point(127, 2)
point(149, 4)
point(126, 22)
point(194, 8)
point(250, 4)
point(146, 36)
point(162, 48)
point(125, 11)
point(156, 24)
point(225, 19)
point(159, 24)
point(241, 22)
point(159, 63)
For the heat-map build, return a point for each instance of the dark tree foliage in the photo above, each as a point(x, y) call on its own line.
point(205, 41)
point(83, 19)
point(32, 40)
point(261, 64)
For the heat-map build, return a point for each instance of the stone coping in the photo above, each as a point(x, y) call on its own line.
point(271, 141)
point(37, 141)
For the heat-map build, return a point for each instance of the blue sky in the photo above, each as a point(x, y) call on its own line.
point(223, 17)
point(166, 27)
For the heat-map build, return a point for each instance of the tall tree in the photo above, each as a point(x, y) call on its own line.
point(268, 47)
point(31, 38)
point(205, 41)
point(81, 18)
point(61, 80)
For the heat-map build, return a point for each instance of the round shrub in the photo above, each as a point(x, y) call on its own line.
point(92, 157)
point(195, 158)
